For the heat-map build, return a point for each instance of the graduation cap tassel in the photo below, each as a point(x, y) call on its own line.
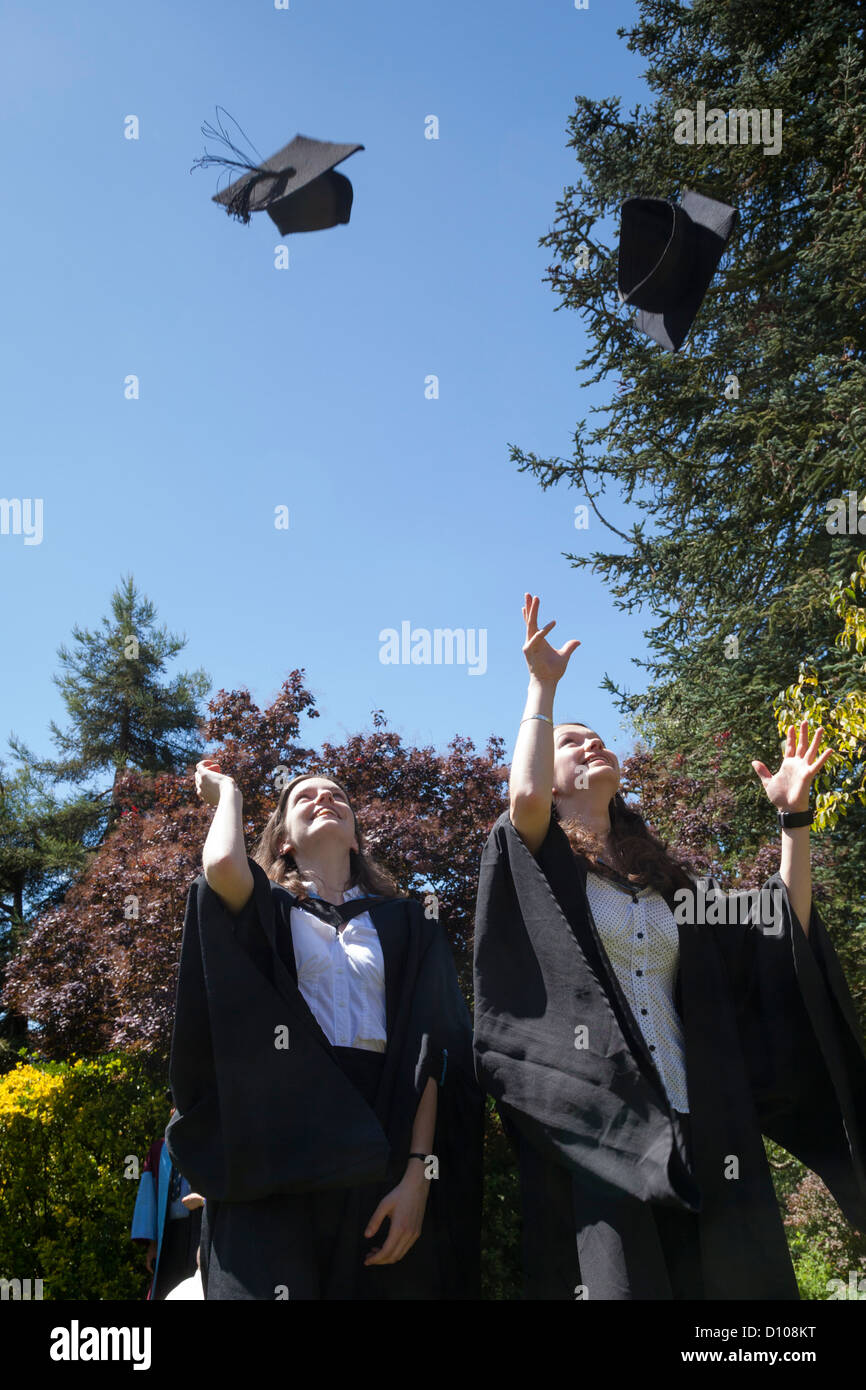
point(239, 206)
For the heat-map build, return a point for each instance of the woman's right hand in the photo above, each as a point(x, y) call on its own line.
point(208, 780)
point(546, 663)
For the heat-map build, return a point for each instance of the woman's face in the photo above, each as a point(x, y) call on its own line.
point(581, 762)
point(317, 813)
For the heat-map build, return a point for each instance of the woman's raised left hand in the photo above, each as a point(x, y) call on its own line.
point(788, 790)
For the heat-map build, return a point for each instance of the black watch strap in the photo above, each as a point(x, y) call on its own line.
point(792, 820)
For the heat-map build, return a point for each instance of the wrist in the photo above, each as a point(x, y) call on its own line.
point(229, 789)
point(546, 684)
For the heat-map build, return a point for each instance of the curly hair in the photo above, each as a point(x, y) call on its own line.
point(364, 871)
point(644, 856)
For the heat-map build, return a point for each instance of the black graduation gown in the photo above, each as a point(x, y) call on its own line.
point(256, 1123)
point(771, 1046)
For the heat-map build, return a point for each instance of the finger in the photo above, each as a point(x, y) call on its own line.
point(569, 647)
point(532, 617)
point(791, 741)
point(814, 745)
point(377, 1218)
point(389, 1251)
point(386, 1253)
point(409, 1240)
point(803, 740)
point(540, 636)
point(763, 771)
point(819, 762)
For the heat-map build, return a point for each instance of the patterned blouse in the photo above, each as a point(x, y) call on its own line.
point(640, 936)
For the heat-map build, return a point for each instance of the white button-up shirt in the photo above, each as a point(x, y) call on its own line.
point(341, 974)
point(640, 937)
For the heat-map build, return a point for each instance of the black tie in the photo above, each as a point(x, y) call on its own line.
point(337, 914)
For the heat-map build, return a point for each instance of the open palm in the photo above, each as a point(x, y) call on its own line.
point(546, 663)
point(788, 789)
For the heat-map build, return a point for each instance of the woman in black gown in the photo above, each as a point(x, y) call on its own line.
point(321, 1066)
point(640, 1034)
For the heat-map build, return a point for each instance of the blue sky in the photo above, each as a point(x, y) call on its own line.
point(304, 387)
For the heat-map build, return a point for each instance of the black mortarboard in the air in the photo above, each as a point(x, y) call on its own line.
point(668, 253)
point(298, 187)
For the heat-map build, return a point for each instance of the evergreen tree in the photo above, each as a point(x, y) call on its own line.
point(42, 843)
point(124, 714)
point(737, 448)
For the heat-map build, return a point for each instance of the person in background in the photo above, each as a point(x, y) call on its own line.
point(166, 1219)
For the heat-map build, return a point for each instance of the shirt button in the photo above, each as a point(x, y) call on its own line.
point(638, 972)
point(652, 1047)
point(640, 936)
point(643, 1011)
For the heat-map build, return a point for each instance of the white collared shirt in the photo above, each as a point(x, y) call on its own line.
point(640, 937)
point(341, 974)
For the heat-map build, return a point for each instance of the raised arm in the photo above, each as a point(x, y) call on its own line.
point(224, 857)
point(530, 786)
point(788, 790)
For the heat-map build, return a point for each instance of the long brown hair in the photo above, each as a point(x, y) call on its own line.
point(644, 856)
point(364, 871)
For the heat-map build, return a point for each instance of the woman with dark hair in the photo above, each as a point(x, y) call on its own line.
point(640, 1031)
point(321, 1065)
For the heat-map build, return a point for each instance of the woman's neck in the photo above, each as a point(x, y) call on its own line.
point(593, 817)
point(330, 875)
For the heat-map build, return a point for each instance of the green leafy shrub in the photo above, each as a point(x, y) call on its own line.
point(73, 1136)
point(500, 1231)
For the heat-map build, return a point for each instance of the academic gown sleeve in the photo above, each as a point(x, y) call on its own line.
point(550, 1047)
point(262, 1106)
point(802, 1045)
point(438, 1044)
point(144, 1215)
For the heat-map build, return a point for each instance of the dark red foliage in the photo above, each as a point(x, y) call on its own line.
point(93, 978)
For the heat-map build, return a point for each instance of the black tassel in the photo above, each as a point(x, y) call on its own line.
point(239, 204)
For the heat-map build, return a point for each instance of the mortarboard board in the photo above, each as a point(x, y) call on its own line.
point(668, 254)
point(298, 186)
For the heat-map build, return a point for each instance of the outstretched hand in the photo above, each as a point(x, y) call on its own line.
point(788, 789)
point(546, 663)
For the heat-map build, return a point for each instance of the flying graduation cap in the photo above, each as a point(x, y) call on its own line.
point(298, 187)
point(668, 253)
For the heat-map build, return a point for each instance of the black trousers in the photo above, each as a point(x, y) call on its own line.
point(312, 1245)
point(581, 1243)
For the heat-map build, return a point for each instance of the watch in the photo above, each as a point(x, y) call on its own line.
point(791, 820)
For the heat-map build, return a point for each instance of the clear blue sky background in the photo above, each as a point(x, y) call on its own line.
point(302, 387)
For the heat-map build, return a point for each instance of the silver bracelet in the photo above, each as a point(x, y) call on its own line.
point(536, 716)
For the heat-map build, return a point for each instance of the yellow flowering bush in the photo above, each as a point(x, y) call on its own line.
point(842, 782)
point(73, 1136)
